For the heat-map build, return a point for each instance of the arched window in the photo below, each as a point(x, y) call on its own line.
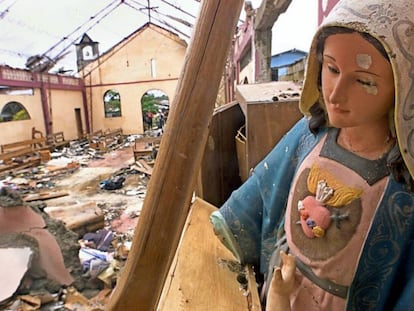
point(14, 111)
point(112, 104)
point(87, 53)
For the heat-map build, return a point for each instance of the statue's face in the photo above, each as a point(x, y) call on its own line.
point(357, 82)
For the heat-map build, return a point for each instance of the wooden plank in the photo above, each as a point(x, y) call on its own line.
point(171, 186)
point(9, 155)
point(14, 167)
point(204, 273)
point(219, 173)
point(142, 169)
point(34, 144)
point(144, 164)
point(114, 132)
point(149, 140)
point(67, 211)
point(56, 140)
point(84, 219)
point(141, 148)
point(95, 135)
point(44, 195)
point(113, 136)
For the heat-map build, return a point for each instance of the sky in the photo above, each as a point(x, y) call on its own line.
point(52, 27)
point(295, 27)
point(29, 27)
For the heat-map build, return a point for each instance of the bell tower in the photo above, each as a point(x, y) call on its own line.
point(86, 51)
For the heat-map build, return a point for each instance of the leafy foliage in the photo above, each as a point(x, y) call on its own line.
point(21, 115)
point(112, 103)
point(148, 103)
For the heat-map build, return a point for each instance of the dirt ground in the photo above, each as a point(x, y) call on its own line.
point(84, 186)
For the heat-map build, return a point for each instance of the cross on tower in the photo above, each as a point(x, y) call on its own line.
point(149, 8)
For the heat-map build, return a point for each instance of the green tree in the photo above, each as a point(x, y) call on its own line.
point(148, 103)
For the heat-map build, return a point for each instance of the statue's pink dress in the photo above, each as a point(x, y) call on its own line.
point(333, 256)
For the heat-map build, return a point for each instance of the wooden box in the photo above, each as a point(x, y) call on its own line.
point(219, 171)
point(270, 110)
point(44, 156)
point(242, 133)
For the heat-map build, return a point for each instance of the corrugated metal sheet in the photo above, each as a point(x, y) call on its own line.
point(287, 58)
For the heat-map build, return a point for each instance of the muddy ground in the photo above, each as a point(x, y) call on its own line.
point(84, 186)
point(121, 208)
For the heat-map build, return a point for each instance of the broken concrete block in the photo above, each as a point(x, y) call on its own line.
point(22, 219)
point(14, 263)
point(17, 253)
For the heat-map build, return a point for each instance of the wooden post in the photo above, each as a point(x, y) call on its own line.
point(170, 189)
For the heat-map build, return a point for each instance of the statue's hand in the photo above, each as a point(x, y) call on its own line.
point(282, 284)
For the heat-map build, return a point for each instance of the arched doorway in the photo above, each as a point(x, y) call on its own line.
point(155, 106)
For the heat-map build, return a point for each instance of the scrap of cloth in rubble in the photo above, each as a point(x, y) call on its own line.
point(368, 251)
point(113, 183)
point(102, 239)
point(94, 261)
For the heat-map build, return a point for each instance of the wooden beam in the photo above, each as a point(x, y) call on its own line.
point(171, 186)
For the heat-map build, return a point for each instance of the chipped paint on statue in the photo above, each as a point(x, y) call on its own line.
point(364, 61)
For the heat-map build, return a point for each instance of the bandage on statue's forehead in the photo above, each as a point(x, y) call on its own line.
point(364, 60)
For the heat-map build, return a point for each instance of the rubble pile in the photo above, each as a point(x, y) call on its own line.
point(67, 225)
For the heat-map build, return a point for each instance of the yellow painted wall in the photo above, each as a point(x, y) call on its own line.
point(13, 131)
point(247, 72)
point(63, 104)
point(127, 69)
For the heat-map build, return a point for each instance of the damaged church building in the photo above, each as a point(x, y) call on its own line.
point(52, 125)
point(82, 157)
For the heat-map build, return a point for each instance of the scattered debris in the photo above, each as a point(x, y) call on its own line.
point(67, 223)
